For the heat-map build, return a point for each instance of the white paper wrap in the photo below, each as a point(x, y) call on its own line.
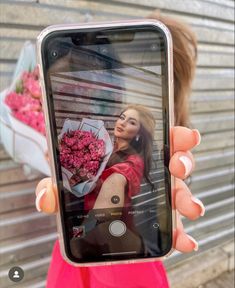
point(98, 129)
point(24, 144)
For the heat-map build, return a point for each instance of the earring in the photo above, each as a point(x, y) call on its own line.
point(137, 138)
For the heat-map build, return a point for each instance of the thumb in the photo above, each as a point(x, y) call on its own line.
point(46, 197)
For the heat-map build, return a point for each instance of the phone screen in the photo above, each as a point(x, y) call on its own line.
point(107, 93)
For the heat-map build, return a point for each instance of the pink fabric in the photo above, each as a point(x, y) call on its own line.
point(138, 275)
point(132, 169)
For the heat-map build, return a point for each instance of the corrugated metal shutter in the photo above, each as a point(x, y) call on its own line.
point(212, 104)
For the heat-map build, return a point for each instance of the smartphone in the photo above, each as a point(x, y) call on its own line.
point(108, 103)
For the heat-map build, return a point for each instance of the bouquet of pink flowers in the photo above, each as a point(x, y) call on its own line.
point(85, 148)
point(25, 101)
point(22, 127)
point(81, 153)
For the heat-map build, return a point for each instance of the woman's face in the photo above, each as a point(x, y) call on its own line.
point(127, 125)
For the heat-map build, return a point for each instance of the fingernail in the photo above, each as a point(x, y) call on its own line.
point(197, 136)
point(38, 199)
point(199, 202)
point(187, 164)
point(194, 242)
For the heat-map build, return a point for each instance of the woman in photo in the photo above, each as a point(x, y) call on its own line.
point(120, 181)
point(130, 161)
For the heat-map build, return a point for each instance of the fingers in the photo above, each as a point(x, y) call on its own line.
point(42, 184)
point(46, 196)
point(190, 207)
point(184, 139)
point(182, 241)
point(185, 202)
point(181, 164)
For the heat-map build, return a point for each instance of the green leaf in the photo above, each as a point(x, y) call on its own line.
point(19, 86)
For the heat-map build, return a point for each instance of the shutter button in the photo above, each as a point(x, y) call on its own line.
point(117, 228)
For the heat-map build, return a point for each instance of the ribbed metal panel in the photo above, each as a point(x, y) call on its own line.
point(26, 236)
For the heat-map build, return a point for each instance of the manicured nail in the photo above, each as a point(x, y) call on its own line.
point(194, 242)
point(187, 164)
point(199, 202)
point(197, 136)
point(38, 199)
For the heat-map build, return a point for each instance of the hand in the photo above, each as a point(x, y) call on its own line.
point(181, 166)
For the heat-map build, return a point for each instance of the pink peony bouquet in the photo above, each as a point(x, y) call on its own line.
point(85, 147)
point(25, 101)
point(22, 127)
point(81, 153)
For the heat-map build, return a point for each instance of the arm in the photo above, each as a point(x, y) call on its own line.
point(114, 185)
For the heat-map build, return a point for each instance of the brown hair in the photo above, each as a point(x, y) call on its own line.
point(184, 64)
point(144, 145)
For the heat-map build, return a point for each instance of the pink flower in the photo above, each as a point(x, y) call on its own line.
point(34, 119)
point(15, 100)
point(81, 153)
point(25, 76)
point(33, 87)
point(36, 73)
point(31, 83)
point(26, 106)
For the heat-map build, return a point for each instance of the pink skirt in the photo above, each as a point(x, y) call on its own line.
point(138, 275)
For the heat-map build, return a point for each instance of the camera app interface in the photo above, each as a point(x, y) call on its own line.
point(108, 103)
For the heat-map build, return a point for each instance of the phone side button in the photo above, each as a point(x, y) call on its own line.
point(117, 228)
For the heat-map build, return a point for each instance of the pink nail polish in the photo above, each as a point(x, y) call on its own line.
point(187, 164)
point(199, 202)
point(198, 136)
point(38, 199)
point(194, 242)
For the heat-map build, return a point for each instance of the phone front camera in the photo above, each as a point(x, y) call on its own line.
point(54, 53)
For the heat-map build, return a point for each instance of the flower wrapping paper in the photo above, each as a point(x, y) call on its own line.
point(23, 143)
point(98, 129)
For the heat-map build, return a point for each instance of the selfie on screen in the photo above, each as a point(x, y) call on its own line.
point(108, 106)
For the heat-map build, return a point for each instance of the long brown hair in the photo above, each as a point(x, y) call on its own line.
point(142, 146)
point(184, 64)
